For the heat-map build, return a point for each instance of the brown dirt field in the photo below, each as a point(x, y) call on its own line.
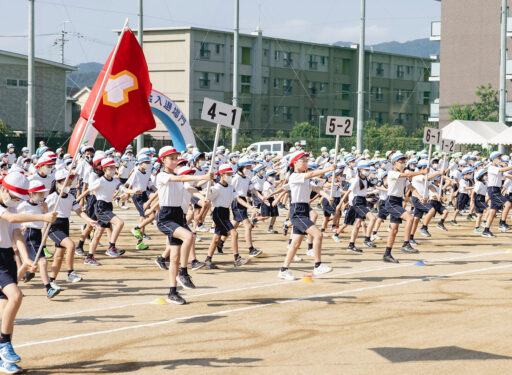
point(366, 317)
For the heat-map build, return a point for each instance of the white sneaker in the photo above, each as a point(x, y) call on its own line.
point(336, 238)
point(297, 258)
point(286, 275)
point(310, 253)
point(202, 229)
point(288, 245)
point(73, 278)
point(198, 239)
point(375, 237)
point(212, 230)
point(54, 285)
point(124, 207)
point(323, 268)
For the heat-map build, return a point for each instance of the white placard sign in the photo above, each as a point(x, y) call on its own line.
point(342, 126)
point(431, 136)
point(448, 145)
point(221, 113)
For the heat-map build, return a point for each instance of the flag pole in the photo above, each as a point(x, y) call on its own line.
point(212, 161)
point(90, 121)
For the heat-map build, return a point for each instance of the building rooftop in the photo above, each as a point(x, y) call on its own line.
point(38, 60)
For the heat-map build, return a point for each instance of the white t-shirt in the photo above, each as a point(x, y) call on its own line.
point(27, 207)
point(170, 194)
point(6, 228)
point(396, 184)
point(66, 205)
point(140, 181)
point(494, 176)
point(480, 188)
point(105, 189)
point(242, 185)
point(300, 188)
point(222, 196)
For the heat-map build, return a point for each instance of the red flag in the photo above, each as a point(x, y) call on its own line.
point(123, 111)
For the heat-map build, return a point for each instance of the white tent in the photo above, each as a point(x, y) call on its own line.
point(473, 132)
point(503, 138)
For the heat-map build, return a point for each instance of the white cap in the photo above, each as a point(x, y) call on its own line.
point(36, 186)
point(17, 184)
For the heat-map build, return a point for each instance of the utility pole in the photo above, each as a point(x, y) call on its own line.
point(234, 132)
point(62, 41)
point(140, 138)
point(503, 66)
point(360, 81)
point(30, 79)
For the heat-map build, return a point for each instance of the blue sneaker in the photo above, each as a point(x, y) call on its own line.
point(9, 368)
point(52, 293)
point(8, 354)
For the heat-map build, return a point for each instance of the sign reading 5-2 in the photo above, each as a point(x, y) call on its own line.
point(342, 126)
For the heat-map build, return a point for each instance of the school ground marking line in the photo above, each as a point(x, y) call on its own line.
point(278, 283)
point(254, 307)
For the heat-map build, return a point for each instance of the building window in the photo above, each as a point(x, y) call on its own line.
point(204, 82)
point(276, 55)
point(346, 66)
point(378, 94)
point(399, 71)
point(379, 72)
point(265, 52)
point(313, 64)
point(345, 112)
point(12, 82)
point(246, 85)
point(217, 77)
point(399, 119)
point(264, 81)
point(276, 83)
point(204, 52)
point(400, 96)
point(23, 83)
point(322, 60)
point(426, 97)
point(379, 119)
point(409, 70)
point(287, 114)
point(345, 91)
point(276, 111)
point(312, 88)
point(287, 59)
point(246, 112)
point(311, 115)
point(323, 86)
point(246, 56)
point(287, 86)
point(217, 49)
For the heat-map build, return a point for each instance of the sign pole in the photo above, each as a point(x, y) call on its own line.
point(335, 162)
point(442, 176)
point(426, 176)
point(212, 161)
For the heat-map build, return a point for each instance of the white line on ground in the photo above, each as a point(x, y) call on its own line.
point(278, 283)
point(254, 307)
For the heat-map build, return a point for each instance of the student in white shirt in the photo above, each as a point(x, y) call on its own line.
point(269, 206)
point(463, 196)
point(479, 193)
point(14, 189)
point(397, 183)
point(494, 184)
point(221, 197)
point(300, 188)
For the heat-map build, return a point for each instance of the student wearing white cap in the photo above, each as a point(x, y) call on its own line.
point(11, 156)
point(221, 197)
point(494, 184)
point(269, 205)
point(24, 154)
point(300, 190)
point(397, 184)
point(479, 194)
point(465, 190)
point(45, 169)
point(14, 190)
point(33, 234)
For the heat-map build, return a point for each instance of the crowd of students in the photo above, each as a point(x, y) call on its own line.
point(181, 191)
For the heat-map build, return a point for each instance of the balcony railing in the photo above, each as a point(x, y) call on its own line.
point(204, 53)
point(435, 30)
point(435, 71)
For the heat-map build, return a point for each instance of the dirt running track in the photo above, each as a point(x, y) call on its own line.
point(451, 316)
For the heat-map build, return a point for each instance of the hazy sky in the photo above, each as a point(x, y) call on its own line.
point(90, 22)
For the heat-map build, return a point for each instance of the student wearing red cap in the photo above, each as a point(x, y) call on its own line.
point(14, 190)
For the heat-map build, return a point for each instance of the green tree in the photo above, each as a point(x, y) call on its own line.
point(5, 129)
point(485, 109)
point(303, 130)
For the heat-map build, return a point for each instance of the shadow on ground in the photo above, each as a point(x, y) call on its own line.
point(440, 353)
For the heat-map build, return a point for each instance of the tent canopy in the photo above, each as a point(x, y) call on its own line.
point(503, 138)
point(473, 132)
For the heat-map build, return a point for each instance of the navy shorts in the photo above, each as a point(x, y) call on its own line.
point(383, 212)
point(8, 269)
point(440, 209)
point(328, 209)
point(462, 201)
point(239, 211)
point(220, 217)
point(497, 199)
point(59, 230)
point(350, 216)
point(90, 203)
point(420, 209)
point(269, 211)
point(256, 201)
point(33, 238)
point(194, 201)
point(370, 200)
point(168, 220)
point(123, 180)
point(360, 206)
point(395, 209)
point(138, 201)
point(299, 216)
point(480, 204)
point(104, 213)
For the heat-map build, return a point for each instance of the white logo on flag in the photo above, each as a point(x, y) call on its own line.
point(117, 88)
